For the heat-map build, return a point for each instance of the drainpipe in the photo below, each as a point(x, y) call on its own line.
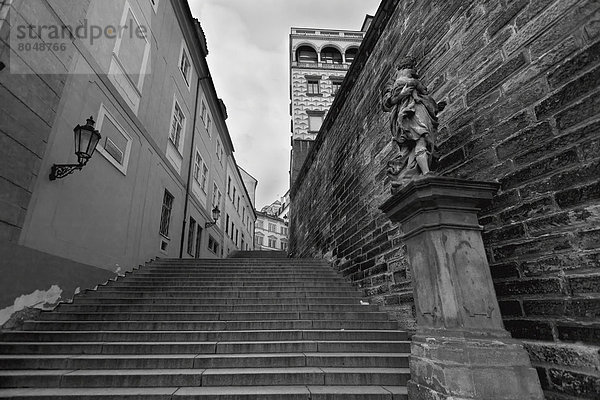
point(189, 178)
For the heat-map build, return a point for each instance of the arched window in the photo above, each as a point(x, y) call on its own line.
point(306, 54)
point(351, 55)
point(331, 55)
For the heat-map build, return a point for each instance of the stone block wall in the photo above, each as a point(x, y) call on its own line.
point(29, 101)
point(521, 79)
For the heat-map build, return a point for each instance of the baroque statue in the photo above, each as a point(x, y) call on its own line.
point(413, 124)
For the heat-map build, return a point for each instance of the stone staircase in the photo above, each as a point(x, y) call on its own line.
point(218, 329)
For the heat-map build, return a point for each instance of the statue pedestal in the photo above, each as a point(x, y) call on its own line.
point(461, 349)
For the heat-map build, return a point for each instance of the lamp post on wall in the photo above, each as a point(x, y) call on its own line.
point(216, 214)
point(86, 139)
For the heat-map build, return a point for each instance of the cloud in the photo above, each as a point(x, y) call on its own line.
point(248, 44)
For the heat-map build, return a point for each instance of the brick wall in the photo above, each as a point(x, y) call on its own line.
point(521, 80)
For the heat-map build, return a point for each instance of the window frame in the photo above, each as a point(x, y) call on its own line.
point(140, 83)
point(122, 167)
point(199, 231)
point(311, 85)
point(181, 139)
point(185, 53)
point(166, 213)
point(219, 151)
point(191, 237)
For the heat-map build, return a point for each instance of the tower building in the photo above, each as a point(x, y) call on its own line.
point(319, 60)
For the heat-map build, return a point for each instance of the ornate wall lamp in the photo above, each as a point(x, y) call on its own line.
point(86, 140)
point(216, 214)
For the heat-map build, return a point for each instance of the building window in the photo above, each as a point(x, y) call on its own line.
point(213, 245)
point(351, 55)
point(306, 54)
point(191, 239)
point(219, 151)
point(284, 245)
point(331, 55)
point(259, 240)
point(272, 228)
point(132, 51)
point(284, 230)
point(185, 66)
point(217, 196)
point(154, 5)
point(198, 241)
point(313, 87)
point(233, 199)
point(177, 125)
point(336, 85)
point(165, 217)
point(259, 224)
point(227, 224)
point(315, 121)
point(115, 145)
point(238, 205)
point(273, 242)
point(197, 166)
point(237, 236)
point(204, 178)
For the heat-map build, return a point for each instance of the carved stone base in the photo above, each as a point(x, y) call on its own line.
point(461, 349)
point(456, 368)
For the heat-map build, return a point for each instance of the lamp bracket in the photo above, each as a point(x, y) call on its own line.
point(59, 171)
point(209, 224)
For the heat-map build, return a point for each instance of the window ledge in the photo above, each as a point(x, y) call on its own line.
point(314, 94)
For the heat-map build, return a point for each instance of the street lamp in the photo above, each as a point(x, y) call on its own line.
point(86, 140)
point(216, 213)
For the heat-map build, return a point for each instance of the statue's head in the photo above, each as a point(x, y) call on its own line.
point(407, 62)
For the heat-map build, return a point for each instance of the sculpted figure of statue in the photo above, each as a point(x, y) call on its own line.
point(414, 124)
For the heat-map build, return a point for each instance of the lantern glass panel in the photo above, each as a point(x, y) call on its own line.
point(93, 143)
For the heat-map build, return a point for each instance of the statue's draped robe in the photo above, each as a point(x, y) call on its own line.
point(413, 118)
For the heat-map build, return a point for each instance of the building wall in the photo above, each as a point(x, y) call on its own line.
point(521, 82)
point(106, 217)
point(29, 103)
point(300, 150)
point(239, 214)
point(274, 228)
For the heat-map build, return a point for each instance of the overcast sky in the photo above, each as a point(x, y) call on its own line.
point(248, 44)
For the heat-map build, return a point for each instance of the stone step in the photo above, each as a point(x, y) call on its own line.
point(220, 285)
point(229, 393)
point(165, 287)
point(207, 325)
point(258, 254)
point(225, 280)
point(169, 361)
point(232, 277)
point(204, 347)
point(115, 292)
point(243, 261)
point(218, 308)
point(88, 298)
point(203, 377)
point(208, 316)
point(210, 336)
